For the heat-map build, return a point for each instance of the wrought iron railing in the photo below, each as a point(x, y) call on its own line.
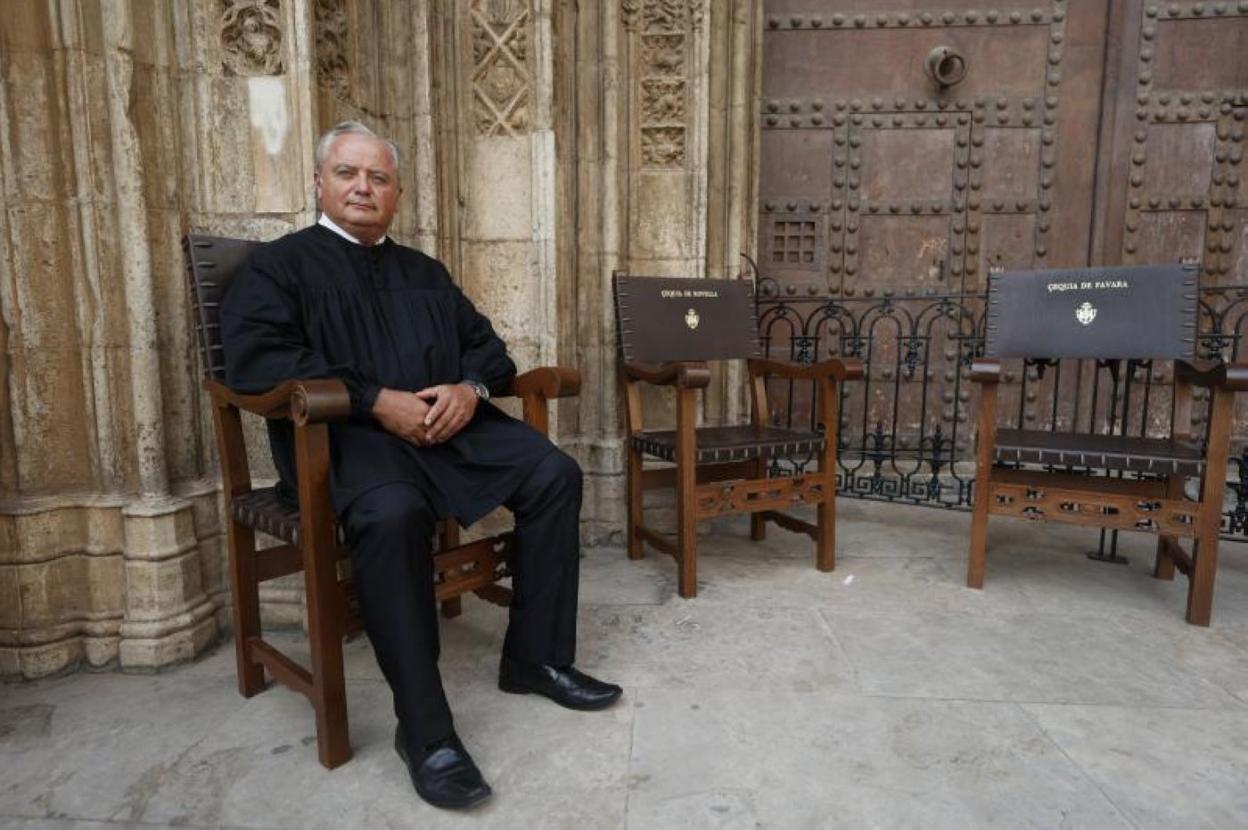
point(907, 429)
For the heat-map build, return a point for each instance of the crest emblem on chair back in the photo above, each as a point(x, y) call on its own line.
point(663, 319)
point(211, 263)
point(1136, 312)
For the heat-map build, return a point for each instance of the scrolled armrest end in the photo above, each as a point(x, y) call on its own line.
point(319, 401)
point(986, 370)
point(549, 382)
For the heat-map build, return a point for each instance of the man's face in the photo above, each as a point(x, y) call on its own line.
point(358, 186)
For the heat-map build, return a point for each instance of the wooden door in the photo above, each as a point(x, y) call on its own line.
point(1172, 163)
point(1078, 133)
point(875, 176)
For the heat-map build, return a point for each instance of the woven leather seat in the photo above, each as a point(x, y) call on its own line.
point(262, 510)
point(721, 444)
point(1164, 456)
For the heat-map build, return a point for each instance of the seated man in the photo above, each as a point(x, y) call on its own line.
point(340, 299)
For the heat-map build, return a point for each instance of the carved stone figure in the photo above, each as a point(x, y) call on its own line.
point(332, 69)
point(251, 37)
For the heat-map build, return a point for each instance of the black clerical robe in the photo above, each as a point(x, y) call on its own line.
point(316, 305)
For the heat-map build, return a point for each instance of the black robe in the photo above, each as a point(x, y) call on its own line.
point(315, 305)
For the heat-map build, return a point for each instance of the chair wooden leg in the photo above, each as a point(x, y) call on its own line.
point(1205, 554)
point(758, 525)
point(326, 622)
point(1163, 565)
point(978, 557)
point(246, 607)
point(1209, 521)
point(448, 537)
point(687, 539)
point(635, 500)
point(825, 534)
point(327, 612)
point(1200, 584)
point(686, 486)
point(979, 539)
point(985, 450)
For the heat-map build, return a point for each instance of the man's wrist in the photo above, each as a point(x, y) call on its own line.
point(478, 388)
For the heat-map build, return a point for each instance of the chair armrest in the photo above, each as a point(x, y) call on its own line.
point(686, 375)
point(548, 381)
point(849, 368)
point(302, 401)
point(1211, 373)
point(986, 370)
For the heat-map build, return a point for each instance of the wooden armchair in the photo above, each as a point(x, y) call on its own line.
point(1131, 314)
point(668, 329)
point(312, 540)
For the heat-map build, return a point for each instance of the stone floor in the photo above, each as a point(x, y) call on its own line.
point(1067, 693)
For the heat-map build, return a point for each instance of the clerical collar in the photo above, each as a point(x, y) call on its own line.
point(329, 223)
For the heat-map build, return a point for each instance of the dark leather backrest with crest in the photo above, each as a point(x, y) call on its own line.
point(661, 319)
point(1113, 313)
point(211, 263)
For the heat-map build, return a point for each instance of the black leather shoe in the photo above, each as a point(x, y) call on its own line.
point(565, 686)
point(446, 776)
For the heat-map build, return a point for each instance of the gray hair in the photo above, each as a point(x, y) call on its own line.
point(349, 128)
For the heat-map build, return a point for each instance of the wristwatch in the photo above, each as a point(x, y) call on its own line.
point(479, 388)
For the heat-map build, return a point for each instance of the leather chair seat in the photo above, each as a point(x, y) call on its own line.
point(738, 443)
point(1163, 456)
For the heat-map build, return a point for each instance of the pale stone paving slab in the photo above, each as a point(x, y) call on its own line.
point(546, 760)
point(1164, 768)
point(1024, 658)
point(96, 746)
point(885, 693)
point(692, 644)
point(777, 759)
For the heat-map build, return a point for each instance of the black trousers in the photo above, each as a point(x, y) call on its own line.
point(390, 531)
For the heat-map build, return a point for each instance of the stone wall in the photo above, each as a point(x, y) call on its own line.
point(544, 143)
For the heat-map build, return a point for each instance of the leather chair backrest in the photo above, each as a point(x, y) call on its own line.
point(211, 263)
point(1112, 313)
point(661, 319)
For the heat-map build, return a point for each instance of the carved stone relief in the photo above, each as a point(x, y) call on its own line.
point(332, 69)
point(665, 27)
point(500, 74)
point(664, 53)
point(671, 14)
point(629, 12)
point(251, 37)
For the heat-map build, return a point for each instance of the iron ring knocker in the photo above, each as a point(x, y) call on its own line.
point(945, 65)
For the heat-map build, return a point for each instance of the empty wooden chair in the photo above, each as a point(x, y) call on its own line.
point(310, 536)
point(668, 330)
point(1143, 313)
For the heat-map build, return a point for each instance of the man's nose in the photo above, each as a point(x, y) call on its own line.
point(363, 185)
